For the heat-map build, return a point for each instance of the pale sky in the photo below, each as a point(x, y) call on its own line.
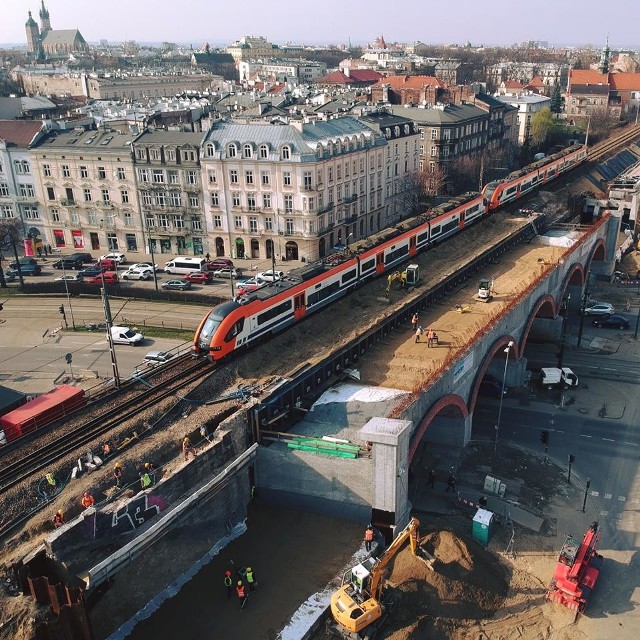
point(333, 21)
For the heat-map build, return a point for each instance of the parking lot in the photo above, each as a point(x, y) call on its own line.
point(217, 288)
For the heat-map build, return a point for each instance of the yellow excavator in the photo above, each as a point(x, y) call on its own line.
point(361, 606)
point(407, 278)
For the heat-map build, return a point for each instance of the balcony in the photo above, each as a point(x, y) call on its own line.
point(68, 203)
point(350, 199)
point(104, 204)
point(325, 208)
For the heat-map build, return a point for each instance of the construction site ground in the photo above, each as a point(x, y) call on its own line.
point(273, 536)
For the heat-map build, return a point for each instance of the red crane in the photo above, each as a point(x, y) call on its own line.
point(577, 571)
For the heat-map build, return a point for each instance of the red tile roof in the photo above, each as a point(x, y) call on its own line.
point(19, 133)
point(355, 76)
point(625, 81)
point(397, 83)
point(513, 84)
point(587, 76)
point(536, 81)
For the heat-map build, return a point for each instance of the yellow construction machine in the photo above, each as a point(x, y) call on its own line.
point(361, 605)
point(407, 278)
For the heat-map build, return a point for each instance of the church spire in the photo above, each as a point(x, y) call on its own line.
point(603, 67)
point(44, 18)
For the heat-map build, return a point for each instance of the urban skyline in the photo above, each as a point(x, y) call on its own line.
point(336, 23)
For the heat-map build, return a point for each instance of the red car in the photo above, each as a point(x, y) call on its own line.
point(108, 277)
point(219, 263)
point(198, 277)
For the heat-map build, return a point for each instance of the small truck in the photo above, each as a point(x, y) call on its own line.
point(554, 378)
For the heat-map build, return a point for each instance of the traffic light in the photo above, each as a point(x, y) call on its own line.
point(61, 309)
point(544, 437)
point(68, 357)
point(572, 458)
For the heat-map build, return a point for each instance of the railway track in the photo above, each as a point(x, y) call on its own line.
point(600, 150)
point(43, 457)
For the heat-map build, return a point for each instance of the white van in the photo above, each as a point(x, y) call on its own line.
point(185, 264)
point(126, 335)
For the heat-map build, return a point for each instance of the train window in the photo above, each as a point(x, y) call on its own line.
point(452, 224)
point(367, 265)
point(551, 172)
point(510, 191)
point(348, 276)
point(319, 296)
point(435, 231)
point(392, 256)
point(235, 330)
point(274, 312)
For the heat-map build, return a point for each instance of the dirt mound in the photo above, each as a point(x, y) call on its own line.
point(469, 583)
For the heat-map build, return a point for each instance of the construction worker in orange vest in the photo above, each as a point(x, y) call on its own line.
point(368, 537)
point(242, 594)
point(87, 500)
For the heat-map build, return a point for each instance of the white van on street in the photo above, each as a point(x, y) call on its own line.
point(126, 335)
point(185, 264)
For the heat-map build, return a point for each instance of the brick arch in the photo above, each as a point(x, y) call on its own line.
point(575, 276)
point(598, 252)
point(451, 400)
point(498, 345)
point(547, 303)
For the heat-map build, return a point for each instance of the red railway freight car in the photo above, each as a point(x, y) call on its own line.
point(40, 412)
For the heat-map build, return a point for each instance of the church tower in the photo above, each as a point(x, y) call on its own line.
point(603, 67)
point(45, 23)
point(33, 35)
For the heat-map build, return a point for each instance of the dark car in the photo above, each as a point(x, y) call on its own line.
point(92, 270)
point(70, 263)
point(24, 262)
point(180, 285)
point(491, 387)
point(611, 321)
point(26, 270)
point(84, 258)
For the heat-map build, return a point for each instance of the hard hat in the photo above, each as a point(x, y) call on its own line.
point(146, 465)
point(239, 583)
point(227, 573)
point(186, 438)
point(59, 512)
point(249, 569)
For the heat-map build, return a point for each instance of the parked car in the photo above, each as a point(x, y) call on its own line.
point(108, 263)
point(23, 261)
point(154, 357)
point(611, 321)
point(92, 270)
point(599, 309)
point(69, 277)
point(199, 277)
point(226, 272)
point(248, 286)
point(126, 335)
point(137, 274)
point(179, 285)
point(84, 258)
point(219, 263)
point(116, 256)
point(108, 277)
point(270, 275)
point(9, 276)
point(490, 386)
point(69, 263)
point(27, 270)
point(145, 265)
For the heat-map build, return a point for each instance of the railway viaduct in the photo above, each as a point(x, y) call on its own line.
point(439, 412)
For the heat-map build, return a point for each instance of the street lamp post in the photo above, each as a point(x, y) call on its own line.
point(66, 288)
point(504, 382)
point(153, 258)
point(109, 323)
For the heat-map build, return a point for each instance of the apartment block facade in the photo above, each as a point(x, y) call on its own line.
point(169, 191)
point(86, 187)
point(297, 190)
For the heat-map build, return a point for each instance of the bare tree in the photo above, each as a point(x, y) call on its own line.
point(10, 236)
point(412, 193)
point(600, 123)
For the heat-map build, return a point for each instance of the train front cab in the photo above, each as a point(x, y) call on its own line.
point(216, 336)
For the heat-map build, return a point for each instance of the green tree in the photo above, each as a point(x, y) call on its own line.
point(542, 125)
point(556, 99)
